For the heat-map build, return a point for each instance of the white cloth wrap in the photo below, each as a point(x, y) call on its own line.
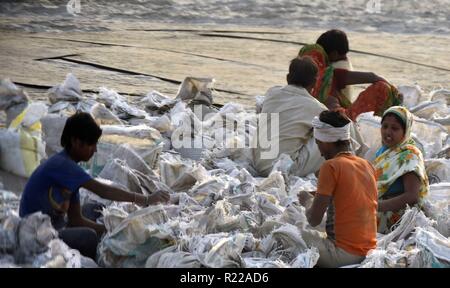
point(326, 133)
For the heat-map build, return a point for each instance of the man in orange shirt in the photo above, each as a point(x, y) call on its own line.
point(347, 189)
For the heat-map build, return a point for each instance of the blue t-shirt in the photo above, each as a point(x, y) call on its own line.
point(397, 187)
point(53, 186)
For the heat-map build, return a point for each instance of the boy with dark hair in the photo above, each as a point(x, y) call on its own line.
point(347, 189)
point(335, 44)
point(53, 187)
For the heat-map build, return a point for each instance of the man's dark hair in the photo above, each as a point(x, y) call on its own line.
point(81, 126)
point(334, 40)
point(302, 72)
point(335, 119)
point(398, 118)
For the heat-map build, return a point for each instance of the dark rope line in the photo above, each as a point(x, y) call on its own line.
point(142, 47)
point(302, 43)
point(104, 67)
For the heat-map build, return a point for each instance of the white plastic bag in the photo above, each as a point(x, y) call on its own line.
point(259, 103)
point(199, 89)
point(20, 152)
point(52, 128)
point(144, 140)
point(119, 105)
point(137, 237)
point(12, 100)
point(438, 170)
point(430, 109)
point(21, 145)
point(157, 101)
point(69, 90)
point(411, 95)
point(103, 116)
point(369, 127)
point(440, 94)
point(429, 136)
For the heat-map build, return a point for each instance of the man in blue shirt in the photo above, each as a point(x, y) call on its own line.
point(53, 187)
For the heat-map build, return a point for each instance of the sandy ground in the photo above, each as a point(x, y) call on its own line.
point(135, 58)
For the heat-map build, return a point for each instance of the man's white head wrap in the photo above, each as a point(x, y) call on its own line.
point(326, 133)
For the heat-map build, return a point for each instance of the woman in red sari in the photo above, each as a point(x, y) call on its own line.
point(331, 81)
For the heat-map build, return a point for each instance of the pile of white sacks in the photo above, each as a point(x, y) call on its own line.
point(221, 214)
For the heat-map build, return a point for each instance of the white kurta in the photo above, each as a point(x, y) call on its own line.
point(296, 109)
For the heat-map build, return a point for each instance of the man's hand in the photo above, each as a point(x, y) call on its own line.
point(159, 196)
point(305, 198)
point(318, 209)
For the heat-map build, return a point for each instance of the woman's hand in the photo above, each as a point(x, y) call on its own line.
point(377, 78)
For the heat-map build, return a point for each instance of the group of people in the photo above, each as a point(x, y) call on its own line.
point(316, 112)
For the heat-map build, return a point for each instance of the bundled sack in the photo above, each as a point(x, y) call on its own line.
point(144, 140)
point(438, 170)
point(437, 207)
point(259, 103)
point(424, 248)
point(8, 234)
point(126, 153)
point(411, 219)
point(172, 258)
point(178, 174)
point(430, 109)
point(27, 237)
point(256, 262)
point(220, 250)
point(441, 94)
point(306, 259)
point(52, 128)
point(412, 95)
point(103, 116)
point(21, 145)
point(116, 170)
point(369, 127)
point(160, 123)
point(69, 90)
point(136, 238)
point(155, 101)
point(196, 89)
point(12, 100)
point(8, 202)
point(32, 242)
point(224, 217)
point(435, 244)
point(389, 257)
point(118, 104)
point(59, 255)
point(429, 136)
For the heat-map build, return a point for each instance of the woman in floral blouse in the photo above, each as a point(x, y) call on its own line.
point(400, 169)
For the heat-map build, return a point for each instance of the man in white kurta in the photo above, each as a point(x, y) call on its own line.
point(295, 108)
